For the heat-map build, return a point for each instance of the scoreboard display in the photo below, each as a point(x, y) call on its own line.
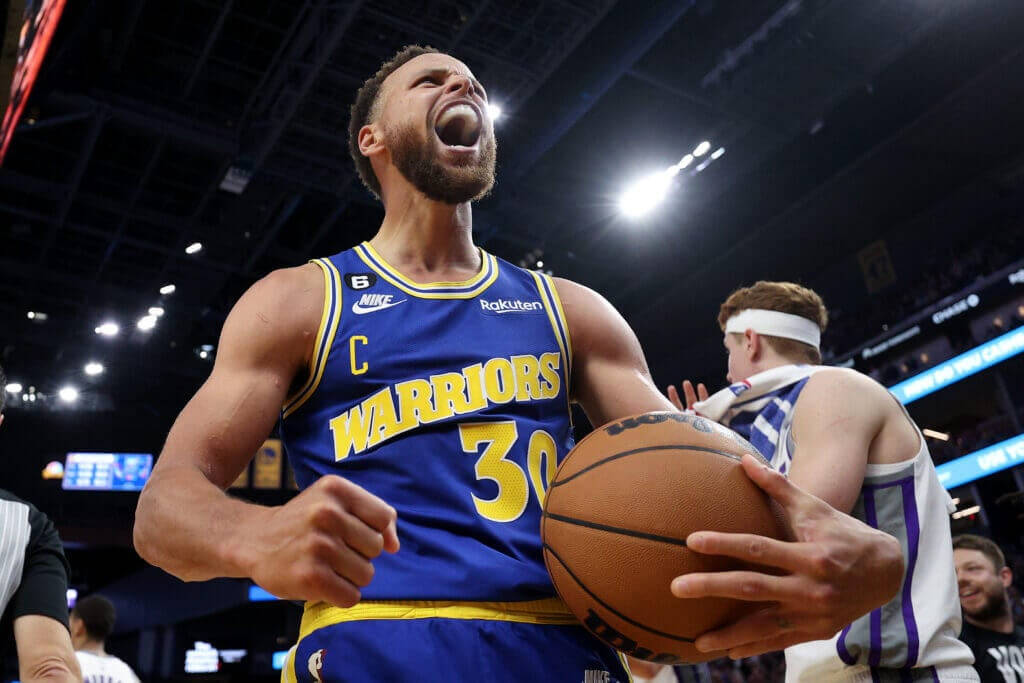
point(106, 471)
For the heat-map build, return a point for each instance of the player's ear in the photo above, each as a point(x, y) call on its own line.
point(1006, 574)
point(370, 140)
point(752, 344)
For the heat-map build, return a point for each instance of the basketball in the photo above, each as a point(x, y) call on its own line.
point(615, 523)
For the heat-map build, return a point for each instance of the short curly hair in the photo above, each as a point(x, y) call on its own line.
point(97, 614)
point(364, 110)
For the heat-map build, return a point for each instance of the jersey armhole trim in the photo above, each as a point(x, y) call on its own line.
point(324, 336)
point(553, 309)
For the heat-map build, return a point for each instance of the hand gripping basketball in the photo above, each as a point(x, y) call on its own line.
point(823, 588)
point(319, 546)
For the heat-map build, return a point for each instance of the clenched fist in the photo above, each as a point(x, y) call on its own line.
point(321, 544)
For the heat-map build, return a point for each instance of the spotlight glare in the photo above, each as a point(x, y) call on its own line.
point(494, 111)
point(540, 264)
point(146, 323)
point(642, 196)
point(685, 161)
point(93, 368)
point(31, 315)
point(167, 289)
point(68, 394)
point(108, 329)
point(14, 388)
point(702, 149)
point(194, 248)
point(718, 152)
point(156, 311)
point(204, 354)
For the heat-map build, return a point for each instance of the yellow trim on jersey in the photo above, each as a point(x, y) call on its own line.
point(288, 674)
point(551, 611)
point(625, 665)
point(430, 285)
point(561, 318)
point(386, 271)
point(550, 310)
point(329, 324)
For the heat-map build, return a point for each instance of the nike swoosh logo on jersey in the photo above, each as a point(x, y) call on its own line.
point(359, 309)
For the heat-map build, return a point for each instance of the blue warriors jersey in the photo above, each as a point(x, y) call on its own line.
point(450, 401)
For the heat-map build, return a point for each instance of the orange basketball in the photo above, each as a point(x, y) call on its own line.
point(615, 523)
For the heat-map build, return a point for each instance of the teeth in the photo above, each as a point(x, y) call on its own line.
point(458, 111)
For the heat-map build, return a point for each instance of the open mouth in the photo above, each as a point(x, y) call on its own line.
point(459, 126)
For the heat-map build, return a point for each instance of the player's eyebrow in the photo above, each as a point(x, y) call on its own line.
point(442, 72)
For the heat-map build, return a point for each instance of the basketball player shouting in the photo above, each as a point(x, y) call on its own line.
point(422, 379)
point(839, 435)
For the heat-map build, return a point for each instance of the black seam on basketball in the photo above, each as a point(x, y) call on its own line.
point(666, 447)
point(616, 530)
point(608, 607)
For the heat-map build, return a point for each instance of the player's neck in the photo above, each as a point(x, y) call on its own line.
point(93, 647)
point(425, 238)
point(772, 361)
point(1001, 624)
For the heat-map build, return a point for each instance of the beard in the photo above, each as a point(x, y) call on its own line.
point(416, 160)
point(994, 606)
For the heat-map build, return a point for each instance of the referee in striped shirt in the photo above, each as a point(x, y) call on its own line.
point(33, 589)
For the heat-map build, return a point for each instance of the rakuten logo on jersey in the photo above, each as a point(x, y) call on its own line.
point(501, 306)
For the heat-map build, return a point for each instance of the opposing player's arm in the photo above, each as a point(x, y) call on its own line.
point(836, 420)
point(315, 547)
point(610, 376)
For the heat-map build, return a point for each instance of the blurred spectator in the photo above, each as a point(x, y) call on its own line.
point(92, 622)
point(989, 629)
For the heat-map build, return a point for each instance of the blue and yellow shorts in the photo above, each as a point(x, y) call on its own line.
point(427, 642)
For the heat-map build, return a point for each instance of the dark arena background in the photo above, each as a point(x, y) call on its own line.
point(160, 157)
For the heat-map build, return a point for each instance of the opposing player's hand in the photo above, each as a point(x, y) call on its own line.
point(836, 570)
point(691, 396)
point(320, 545)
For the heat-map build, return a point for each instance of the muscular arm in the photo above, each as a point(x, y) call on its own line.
point(44, 651)
point(610, 375)
point(185, 523)
point(836, 419)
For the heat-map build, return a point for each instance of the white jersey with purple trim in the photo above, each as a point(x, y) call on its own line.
point(914, 636)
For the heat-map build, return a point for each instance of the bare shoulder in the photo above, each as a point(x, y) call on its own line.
point(282, 309)
point(841, 385)
point(586, 311)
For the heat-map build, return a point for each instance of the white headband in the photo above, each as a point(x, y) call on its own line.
point(775, 324)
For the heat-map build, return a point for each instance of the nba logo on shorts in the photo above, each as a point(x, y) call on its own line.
point(315, 664)
point(596, 676)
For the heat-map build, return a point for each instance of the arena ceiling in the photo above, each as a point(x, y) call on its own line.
point(842, 121)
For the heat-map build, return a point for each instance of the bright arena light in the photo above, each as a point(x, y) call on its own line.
point(108, 329)
point(167, 289)
point(93, 368)
point(642, 196)
point(194, 248)
point(14, 388)
point(68, 394)
point(494, 111)
point(702, 149)
point(146, 323)
point(156, 310)
point(718, 152)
